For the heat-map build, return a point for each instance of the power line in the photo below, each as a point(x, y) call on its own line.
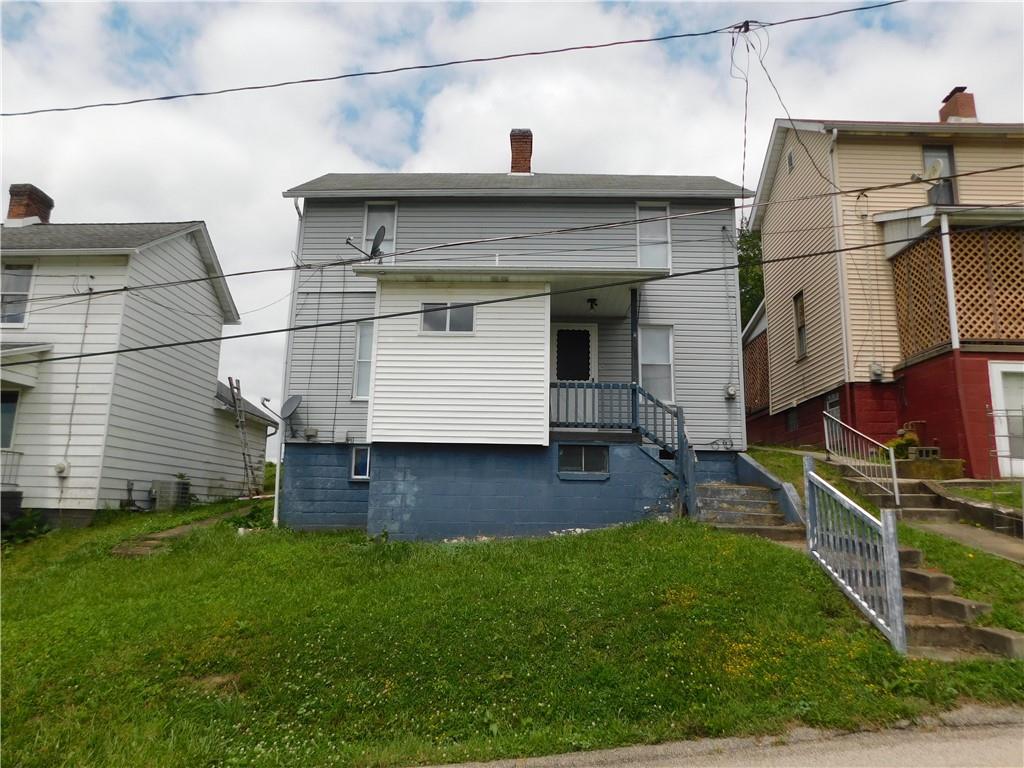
point(440, 65)
point(525, 235)
point(485, 302)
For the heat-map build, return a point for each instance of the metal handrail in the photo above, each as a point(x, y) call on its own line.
point(859, 553)
point(866, 456)
point(10, 461)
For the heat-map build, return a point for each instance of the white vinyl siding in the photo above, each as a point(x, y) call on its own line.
point(487, 387)
point(164, 418)
point(55, 413)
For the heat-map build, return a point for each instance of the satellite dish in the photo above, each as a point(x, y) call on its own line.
point(934, 169)
point(289, 406)
point(377, 240)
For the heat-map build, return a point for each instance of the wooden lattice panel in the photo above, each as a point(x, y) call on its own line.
point(920, 291)
point(988, 272)
point(755, 373)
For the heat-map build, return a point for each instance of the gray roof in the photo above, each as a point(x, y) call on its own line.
point(55, 237)
point(513, 185)
point(224, 395)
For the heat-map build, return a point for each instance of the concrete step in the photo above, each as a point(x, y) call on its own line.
point(1004, 642)
point(731, 491)
point(937, 632)
point(929, 582)
point(744, 517)
point(929, 514)
point(773, 532)
point(739, 505)
point(959, 609)
point(910, 557)
point(949, 655)
point(907, 485)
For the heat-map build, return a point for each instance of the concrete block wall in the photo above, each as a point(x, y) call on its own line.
point(442, 491)
point(316, 490)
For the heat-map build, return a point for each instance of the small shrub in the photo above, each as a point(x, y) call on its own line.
point(901, 445)
point(29, 525)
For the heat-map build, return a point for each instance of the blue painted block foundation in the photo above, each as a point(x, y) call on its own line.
point(316, 490)
point(440, 491)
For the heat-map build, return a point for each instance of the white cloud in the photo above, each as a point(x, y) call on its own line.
point(634, 109)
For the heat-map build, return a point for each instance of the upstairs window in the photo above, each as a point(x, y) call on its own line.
point(653, 246)
point(380, 215)
point(14, 293)
point(446, 318)
point(800, 325)
point(364, 353)
point(938, 166)
point(656, 360)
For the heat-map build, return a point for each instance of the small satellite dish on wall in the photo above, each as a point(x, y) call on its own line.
point(289, 406)
point(377, 240)
point(934, 169)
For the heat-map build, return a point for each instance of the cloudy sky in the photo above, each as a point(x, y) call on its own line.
point(655, 108)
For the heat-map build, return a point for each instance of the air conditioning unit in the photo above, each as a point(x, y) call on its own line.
point(170, 494)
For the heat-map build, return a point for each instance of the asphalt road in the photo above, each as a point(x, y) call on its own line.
point(973, 737)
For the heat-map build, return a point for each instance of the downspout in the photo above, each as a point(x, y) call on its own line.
point(287, 365)
point(840, 242)
point(954, 335)
point(634, 354)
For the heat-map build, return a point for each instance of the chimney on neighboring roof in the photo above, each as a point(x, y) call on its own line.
point(27, 201)
point(522, 149)
point(958, 107)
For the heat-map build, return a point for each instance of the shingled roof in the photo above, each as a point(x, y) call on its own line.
point(514, 185)
point(54, 237)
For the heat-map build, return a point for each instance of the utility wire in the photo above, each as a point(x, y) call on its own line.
point(443, 64)
point(527, 235)
point(485, 302)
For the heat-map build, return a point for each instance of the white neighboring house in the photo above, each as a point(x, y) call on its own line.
point(78, 433)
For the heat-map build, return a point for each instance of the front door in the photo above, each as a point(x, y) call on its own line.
point(574, 359)
point(1007, 382)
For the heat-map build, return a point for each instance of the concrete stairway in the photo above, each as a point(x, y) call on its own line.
point(938, 623)
point(746, 509)
point(917, 502)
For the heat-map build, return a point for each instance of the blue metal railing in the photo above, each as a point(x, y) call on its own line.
point(612, 405)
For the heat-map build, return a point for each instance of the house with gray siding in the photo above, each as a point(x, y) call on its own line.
point(114, 430)
point(523, 353)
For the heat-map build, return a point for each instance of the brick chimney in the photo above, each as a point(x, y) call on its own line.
point(522, 149)
point(958, 107)
point(28, 200)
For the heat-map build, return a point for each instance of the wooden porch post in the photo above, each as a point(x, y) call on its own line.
point(634, 353)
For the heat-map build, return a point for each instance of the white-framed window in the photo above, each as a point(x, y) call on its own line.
point(360, 462)
point(446, 317)
point(800, 325)
point(653, 242)
point(380, 215)
point(656, 361)
point(583, 458)
point(8, 411)
point(832, 404)
point(14, 291)
point(364, 354)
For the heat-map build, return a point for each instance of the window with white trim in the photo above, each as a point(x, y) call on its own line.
point(14, 290)
point(364, 354)
point(380, 215)
point(360, 462)
point(652, 236)
point(8, 410)
point(800, 324)
point(656, 361)
point(446, 318)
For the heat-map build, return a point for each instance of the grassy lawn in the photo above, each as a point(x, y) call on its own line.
point(1006, 493)
point(279, 648)
point(978, 575)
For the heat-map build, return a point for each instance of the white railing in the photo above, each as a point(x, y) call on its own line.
point(859, 553)
point(868, 458)
point(9, 463)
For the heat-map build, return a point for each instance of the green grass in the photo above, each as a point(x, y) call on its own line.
point(978, 575)
point(278, 648)
point(1008, 494)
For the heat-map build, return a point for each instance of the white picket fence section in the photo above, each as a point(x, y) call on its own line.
point(868, 458)
point(859, 553)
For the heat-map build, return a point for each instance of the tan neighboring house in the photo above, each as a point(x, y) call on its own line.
point(924, 327)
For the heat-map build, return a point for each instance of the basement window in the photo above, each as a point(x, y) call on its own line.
point(447, 318)
point(583, 462)
point(360, 462)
